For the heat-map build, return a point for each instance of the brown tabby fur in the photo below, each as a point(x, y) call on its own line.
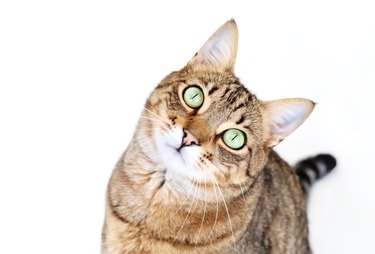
point(253, 202)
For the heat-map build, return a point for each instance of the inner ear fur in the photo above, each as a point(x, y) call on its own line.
point(218, 54)
point(282, 117)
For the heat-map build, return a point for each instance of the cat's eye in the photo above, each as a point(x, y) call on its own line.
point(193, 96)
point(234, 138)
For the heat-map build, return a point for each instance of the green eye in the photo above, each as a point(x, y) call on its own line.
point(234, 138)
point(193, 96)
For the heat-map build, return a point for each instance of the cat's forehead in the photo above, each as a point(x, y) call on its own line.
point(224, 90)
point(233, 103)
point(228, 99)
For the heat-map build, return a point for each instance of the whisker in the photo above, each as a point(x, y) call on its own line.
point(154, 114)
point(226, 209)
point(217, 213)
point(204, 209)
point(162, 103)
point(186, 218)
point(140, 141)
point(183, 203)
point(153, 119)
point(151, 129)
point(147, 172)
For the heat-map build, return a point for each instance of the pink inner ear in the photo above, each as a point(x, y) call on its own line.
point(285, 121)
point(285, 116)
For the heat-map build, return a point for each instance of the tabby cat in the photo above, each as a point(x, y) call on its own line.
point(200, 174)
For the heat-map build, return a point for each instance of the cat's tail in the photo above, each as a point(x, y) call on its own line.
point(312, 169)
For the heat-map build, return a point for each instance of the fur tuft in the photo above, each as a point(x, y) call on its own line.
point(314, 168)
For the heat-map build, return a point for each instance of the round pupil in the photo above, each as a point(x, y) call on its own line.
point(234, 138)
point(193, 97)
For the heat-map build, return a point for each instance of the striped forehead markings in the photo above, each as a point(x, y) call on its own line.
point(241, 120)
point(212, 90)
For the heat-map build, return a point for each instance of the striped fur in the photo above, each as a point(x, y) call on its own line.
point(314, 168)
point(179, 189)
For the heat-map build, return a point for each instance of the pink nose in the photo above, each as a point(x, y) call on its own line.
point(189, 139)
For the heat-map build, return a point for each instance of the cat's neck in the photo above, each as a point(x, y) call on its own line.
point(169, 215)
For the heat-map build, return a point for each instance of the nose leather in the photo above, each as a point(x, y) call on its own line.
point(189, 139)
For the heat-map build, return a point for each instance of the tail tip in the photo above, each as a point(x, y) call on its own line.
point(328, 160)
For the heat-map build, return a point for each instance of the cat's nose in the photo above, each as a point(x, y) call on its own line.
point(189, 139)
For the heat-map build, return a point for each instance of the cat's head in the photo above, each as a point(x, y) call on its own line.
point(206, 129)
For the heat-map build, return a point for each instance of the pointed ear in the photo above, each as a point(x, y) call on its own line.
point(219, 52)
point(282, 117)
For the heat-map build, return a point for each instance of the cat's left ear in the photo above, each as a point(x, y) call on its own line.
point(219, 52)
point(282, 117)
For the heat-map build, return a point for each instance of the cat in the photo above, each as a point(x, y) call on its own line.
point(200, 174)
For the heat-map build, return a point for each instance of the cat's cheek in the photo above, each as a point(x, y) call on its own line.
point(172, 138)
point(167, 145)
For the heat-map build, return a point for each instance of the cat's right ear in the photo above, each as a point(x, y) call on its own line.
point(218, 54)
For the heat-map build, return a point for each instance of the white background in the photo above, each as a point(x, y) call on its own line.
point(74, 76)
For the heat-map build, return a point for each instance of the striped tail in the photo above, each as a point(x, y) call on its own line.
point(311, 169)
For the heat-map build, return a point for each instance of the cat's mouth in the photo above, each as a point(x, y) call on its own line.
point(178, 152)
point(179, 158)
point(183, 154)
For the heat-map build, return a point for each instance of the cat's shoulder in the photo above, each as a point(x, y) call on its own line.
point(275, 161)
